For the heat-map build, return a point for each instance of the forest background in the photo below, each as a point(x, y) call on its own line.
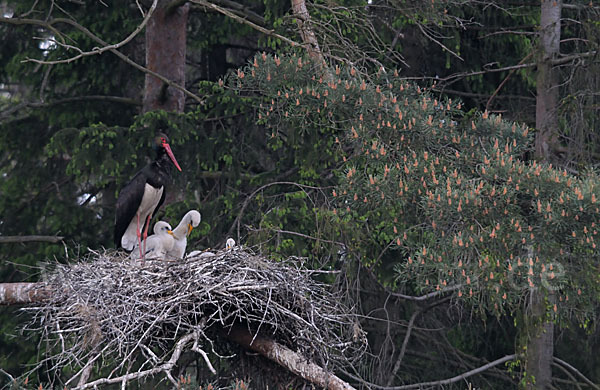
point(290, 123)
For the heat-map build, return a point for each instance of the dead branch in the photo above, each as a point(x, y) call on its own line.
point(576, 371)
point(457, 378)
point(22, 293)
point(409, 330)
point(166, 367)
point(241, 10)
point(50, 26)
point(105, 47)
point(246, 21)
point(287, 358)
point(257, 27)
point(22, 239)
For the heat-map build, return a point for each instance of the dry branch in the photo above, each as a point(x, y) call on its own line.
point(287, 358)
point(22, 239)
point(22, 293)
point(50, 26)
point(108, 309)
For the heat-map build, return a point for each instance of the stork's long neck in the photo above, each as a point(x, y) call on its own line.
point(163, 162)
point(159, 171)
point(181, 230)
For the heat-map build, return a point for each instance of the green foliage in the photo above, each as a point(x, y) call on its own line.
point(444, 201)
point(455, 205)
point(296, 162)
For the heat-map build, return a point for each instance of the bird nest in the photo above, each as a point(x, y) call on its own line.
point(137, 318)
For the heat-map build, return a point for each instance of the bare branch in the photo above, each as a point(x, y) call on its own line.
point(22, 293)
point(430, 37)
point(240, 10)
point(489, 102)
point(287, 358)
point(240, 19)
point(50, 25)
point(455, 379)
point(409, 329)
point(255, 26)
point(280, 231)
point(165, 368)
point(105, 47)
point(21, 239)
point(238, 219)
point(570, 367)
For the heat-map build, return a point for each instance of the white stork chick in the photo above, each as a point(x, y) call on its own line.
point(158, 244)
point(189, 221)
point(229, 244)
point(200, 254)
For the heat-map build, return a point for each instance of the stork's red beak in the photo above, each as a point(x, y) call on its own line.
point(170, 153)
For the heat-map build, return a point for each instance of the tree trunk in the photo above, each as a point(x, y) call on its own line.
point(165, 55)
point(308, 36)
point(540, 330)
point(546, 115)
point(540, 343)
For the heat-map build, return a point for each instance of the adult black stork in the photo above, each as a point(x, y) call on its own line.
point(141, 198)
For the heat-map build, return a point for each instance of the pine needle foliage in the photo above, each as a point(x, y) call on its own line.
point(448, 201)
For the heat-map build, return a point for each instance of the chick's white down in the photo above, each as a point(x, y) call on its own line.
point(189, 221)
point(158, 244)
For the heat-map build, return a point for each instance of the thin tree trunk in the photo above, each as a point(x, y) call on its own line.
point(546, 115)
point(165, 55)
point(308, 35)
point(540, 330)
point(540, 343)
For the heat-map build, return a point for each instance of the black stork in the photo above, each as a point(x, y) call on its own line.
point(141, 198)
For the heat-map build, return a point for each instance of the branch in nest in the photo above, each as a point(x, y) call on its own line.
point(166, 367)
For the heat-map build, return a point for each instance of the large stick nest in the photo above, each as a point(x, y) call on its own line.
point(111, 311)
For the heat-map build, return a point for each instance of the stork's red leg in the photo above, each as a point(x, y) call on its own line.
point(139, 236)
point(146, 232)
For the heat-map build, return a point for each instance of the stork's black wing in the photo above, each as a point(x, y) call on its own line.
point(128, 202)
